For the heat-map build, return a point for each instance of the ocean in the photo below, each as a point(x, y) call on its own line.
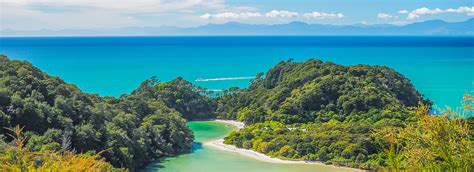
point(441, 68)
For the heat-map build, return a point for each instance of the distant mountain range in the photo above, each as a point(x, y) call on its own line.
point(431, 27)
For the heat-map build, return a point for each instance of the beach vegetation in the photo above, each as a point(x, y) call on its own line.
point(345, 115)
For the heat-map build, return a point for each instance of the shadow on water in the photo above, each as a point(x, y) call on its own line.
point(196, 146)
point(157, 164)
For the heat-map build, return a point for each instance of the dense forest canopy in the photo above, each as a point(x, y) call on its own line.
point(180, 94)
point(315, 91)
point(361, 116)
point(137, 128)
point(322, 111)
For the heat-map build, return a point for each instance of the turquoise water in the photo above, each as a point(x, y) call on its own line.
point(208, 159)
point(440, 67)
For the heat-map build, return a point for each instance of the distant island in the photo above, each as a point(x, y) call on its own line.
point(365, 117)
point(430, 27)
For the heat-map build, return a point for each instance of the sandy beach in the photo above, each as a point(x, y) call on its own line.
point(219, 144)
point(237, 124)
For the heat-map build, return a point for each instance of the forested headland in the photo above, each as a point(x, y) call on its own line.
point(361, 116)
point(129, 131)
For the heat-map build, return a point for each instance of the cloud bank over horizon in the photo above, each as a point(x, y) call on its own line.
point(426, 11)
point(271, 14)
point(90, 14)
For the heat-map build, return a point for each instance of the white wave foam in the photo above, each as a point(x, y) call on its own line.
point(224, 79)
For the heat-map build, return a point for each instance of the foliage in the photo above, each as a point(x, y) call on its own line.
point(315, 91)
point(181, 95)
point(342, 143)
point(137, 128)
point(16, 158)
point(321, 111)
point(359, 116)
point(435, 143)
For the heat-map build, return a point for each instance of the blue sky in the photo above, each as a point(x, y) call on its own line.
point(83, 14)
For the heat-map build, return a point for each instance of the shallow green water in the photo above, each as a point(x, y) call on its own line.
point(208, 159)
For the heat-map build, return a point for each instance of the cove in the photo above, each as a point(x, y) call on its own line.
point(209, 159)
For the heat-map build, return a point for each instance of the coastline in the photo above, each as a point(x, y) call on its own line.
point(237, 124)
point(219, 144)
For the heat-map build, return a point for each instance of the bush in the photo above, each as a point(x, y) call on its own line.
point(17, 158)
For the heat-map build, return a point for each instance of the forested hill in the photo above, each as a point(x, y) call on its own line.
point(181, 95)
point(315, 91)
point(321, 111)
point(361, 116)
point(137, 128)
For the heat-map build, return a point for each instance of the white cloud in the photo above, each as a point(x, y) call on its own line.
point(206, 16)
point(424, 10)
point(403, 12)
point(412, 16)
point(23, 16)
point(283, 13)
point(230, 15)
point(62, 14)
point(322, 15)
point(417, 13)
point(468, 10)
point(136, 6)
point(385, 16)
point(271, 14)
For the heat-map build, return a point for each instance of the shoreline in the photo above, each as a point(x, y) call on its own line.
point(237, 124)
point(219, 144)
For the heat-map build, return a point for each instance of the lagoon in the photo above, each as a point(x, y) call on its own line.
point(210, 159)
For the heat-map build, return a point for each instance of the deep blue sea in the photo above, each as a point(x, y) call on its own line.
point(442, 68)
